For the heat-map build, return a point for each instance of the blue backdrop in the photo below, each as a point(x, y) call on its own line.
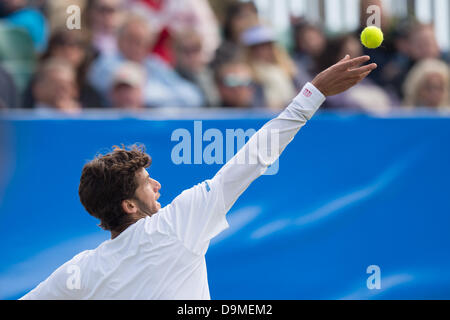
point(351, 192)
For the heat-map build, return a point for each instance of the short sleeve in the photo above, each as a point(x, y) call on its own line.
point(196, 216)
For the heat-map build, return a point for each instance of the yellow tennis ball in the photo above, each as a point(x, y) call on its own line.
point(372, 37)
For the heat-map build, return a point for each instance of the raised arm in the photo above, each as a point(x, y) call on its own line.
point(262, 151)
point(198, 214)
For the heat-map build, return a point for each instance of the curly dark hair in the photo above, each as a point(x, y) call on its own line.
point(108, 180)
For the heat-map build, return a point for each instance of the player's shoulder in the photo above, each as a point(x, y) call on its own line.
point(203, 187)
point(78, 261)
point(193, 196)
point(83, 255)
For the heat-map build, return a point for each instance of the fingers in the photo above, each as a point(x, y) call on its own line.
point(352, 63)
point(347, 57)
point(363, 76)
point(359, 71)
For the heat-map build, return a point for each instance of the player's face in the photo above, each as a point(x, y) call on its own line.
point(147, 193)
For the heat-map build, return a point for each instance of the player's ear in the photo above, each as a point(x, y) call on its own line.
point(129, 207)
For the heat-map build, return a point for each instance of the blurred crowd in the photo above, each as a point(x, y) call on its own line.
point(141, 54)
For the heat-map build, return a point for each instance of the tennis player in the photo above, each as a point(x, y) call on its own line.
point(159, 253)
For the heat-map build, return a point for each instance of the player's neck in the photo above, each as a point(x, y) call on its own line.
point(118, 231)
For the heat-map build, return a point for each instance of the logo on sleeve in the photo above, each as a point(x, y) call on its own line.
point(307, 93)
point(208, 189)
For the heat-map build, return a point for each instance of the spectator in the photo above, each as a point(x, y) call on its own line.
point(421, 44)
point(235, 83)
point(239, 17)
point(127, 89)
point(55, 87)
point(428, 85)
point(366, 96)
point(399, 59)
point(9, 97)
point(193, 67)
point(309, 44)
point(228, 51)
point(234, 79)
point(169, 17)
point(272, 68)
point(16, 13)
point(73, 46)
point(103, 20)
point(164, 87)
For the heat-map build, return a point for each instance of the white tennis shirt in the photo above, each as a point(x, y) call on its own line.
point(163, 256)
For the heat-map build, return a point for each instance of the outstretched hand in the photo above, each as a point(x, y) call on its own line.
point(343, 75)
